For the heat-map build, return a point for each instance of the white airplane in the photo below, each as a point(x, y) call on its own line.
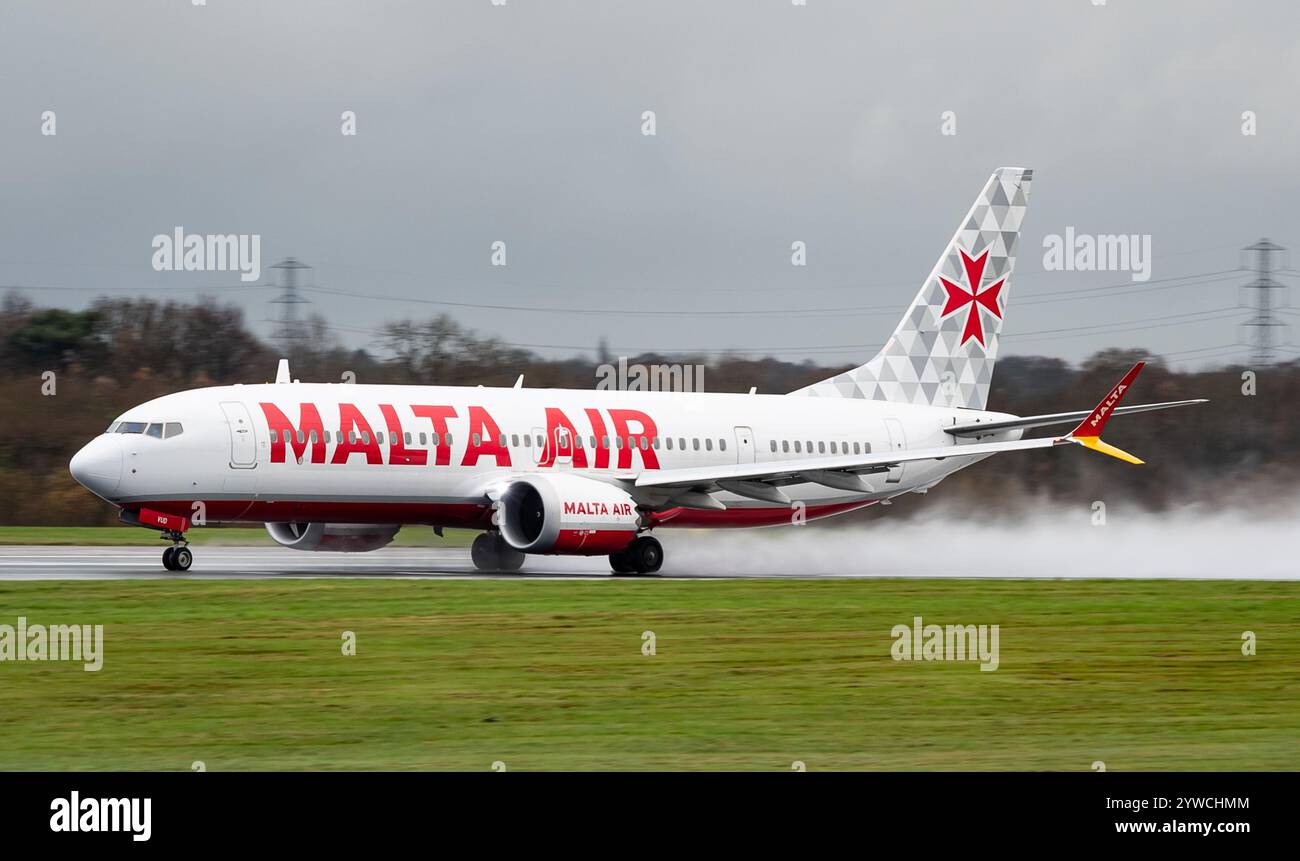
point(343, 467)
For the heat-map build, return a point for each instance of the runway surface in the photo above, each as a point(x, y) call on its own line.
point(697, 559)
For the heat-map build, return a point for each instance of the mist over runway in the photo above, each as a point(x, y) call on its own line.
point(942, 543)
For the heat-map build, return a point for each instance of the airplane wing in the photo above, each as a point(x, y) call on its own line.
point(978, 429)
point(802, 468)
point(845, 472)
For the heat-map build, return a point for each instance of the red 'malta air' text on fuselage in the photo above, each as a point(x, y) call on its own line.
point(355, 435)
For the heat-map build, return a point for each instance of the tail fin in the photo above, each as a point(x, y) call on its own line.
point(942, 352)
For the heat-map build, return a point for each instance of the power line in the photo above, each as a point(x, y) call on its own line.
point(1070, 332)
point(863, 311)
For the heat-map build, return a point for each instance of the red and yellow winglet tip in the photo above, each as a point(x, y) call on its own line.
point(1088, 433)
point(1097, 444)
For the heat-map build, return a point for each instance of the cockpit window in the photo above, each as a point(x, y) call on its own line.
point(157, 430)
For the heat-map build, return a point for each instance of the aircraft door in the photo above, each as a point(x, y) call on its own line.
point(744, 445)
point(562, 441)
point(897, 442)
point(243, 439)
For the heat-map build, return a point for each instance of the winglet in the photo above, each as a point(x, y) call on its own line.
point(1088, 433)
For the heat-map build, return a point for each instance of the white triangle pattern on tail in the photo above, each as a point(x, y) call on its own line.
point(927, 360)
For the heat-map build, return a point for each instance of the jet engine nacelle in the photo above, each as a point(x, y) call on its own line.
point(336, 537)
point(566, 514)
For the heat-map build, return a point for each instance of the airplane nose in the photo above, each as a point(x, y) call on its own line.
point(98, 466)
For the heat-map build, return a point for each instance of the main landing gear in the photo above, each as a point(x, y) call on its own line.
point(490, 552)
point(178, 557)
point(645, 555)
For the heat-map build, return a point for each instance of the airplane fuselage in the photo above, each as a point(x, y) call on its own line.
point(428, 454)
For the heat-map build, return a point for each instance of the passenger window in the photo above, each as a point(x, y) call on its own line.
point(798, 447)
point(785, 445)
point(577, 440)
point(866, 448)
point(352, 437)
point(155, 431)
point(302, 437)
point(856, 448)
point(604, 442)
point(540, 441)
point(708, 443)
point(774, 445)
point(379, 437)
point(172, 429)
point(502, 441)
point(365, 437)
point(618, 442)
point(669, 440)
point(327, 436)
point(315, 439)
point(446, 439)
point(833, 451)
point(722, 445)
point(514, 440)
point(821, 448)
point(810, 449)
point(655, 443)
point(478, 440)
point(695, 443)
point(681, 443)
point(645, 443)
point(407, 437)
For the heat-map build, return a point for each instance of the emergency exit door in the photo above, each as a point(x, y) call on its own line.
point(897, 442)
point(744, 445)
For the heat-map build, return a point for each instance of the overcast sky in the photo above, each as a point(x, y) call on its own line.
point(775, 123)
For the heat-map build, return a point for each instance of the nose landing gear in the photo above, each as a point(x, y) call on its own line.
point(178, 557)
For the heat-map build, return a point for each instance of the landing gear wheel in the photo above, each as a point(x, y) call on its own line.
point(646, 555)
point(182, 559)
point(620, 564)
point(169, 556)
point(490, 552)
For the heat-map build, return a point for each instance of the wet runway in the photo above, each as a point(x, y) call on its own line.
point(255, 563)
point(689, 557)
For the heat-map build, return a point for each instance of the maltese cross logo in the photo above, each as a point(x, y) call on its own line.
point(959, 298)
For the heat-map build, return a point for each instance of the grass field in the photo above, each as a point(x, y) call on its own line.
point(748, 675)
